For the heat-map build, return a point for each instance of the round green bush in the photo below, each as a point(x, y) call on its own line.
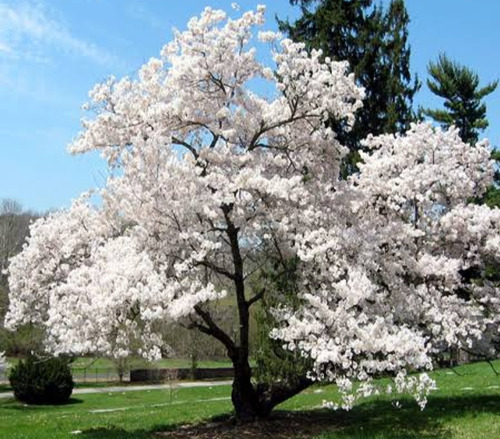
point(42, 381)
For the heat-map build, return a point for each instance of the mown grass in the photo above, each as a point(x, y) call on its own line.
point(124, 415)
point(465, 406)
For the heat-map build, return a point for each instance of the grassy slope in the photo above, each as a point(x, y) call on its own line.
point(465, 406)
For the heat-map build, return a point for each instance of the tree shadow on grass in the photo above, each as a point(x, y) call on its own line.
point(379, 419)
point(376, 419)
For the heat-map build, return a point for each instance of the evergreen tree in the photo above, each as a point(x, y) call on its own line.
point(459, 87)
point(374, 41)
point(272, 362)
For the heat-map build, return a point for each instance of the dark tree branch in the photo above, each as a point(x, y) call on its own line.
point(239, 283)
point(214, 330)
point(257, 297)
point(180, 142)
point(217, 269)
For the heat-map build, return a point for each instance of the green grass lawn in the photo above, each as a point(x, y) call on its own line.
point(466, 406)
point(174, 363)
point(137, 363)
point(112, 415)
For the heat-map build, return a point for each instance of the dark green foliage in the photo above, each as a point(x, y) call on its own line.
point(42, 381)
point(374, 41)
point(459, 87)
point(272, 362)
point(492, 196)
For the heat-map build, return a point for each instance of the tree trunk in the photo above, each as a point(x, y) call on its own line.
point(243, 395)
point(250, 402)
point(271, 395)
point(257, 402)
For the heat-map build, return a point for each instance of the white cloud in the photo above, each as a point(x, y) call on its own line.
point(28, 32)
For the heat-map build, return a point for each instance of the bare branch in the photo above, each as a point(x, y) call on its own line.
point(257, 297)
point(180, 142)
point(214, 330)
point(216, 268)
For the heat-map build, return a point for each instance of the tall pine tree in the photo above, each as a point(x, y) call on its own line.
point(374, 41)
point(463, 97)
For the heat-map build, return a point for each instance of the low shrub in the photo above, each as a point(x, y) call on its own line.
point(42, 381)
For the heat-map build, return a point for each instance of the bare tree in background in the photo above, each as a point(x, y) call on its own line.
point(14, 229)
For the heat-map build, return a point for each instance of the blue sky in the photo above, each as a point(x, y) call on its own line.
point(52, 52)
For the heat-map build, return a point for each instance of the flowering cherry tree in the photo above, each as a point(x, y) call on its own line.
point(208, 179)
